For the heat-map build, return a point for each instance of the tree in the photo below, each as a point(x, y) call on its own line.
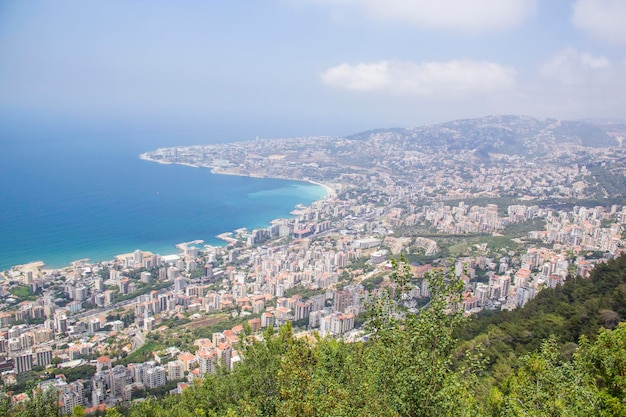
point(546, 386)
point(295, 380)
point(113, 412)
point(605, 361)
point(42, 404)
point(5, 404)
point(401, 276)
point(410, 359)
point(78, 411)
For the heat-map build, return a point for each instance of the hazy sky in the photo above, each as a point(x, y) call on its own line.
point(303, 67)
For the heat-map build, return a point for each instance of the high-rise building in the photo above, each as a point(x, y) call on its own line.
point(43, 335)
point(154, 377)
point(175, 370)
point(27, 340)
point(24, 363)
point(172, 273)
point(118, 380)
point(94, 325)
point(43, 356)
point(301, 310)
point(60, 323)
point(81, 292)
point(179, 284)
point(108, 297)
point(99, 383)
point(99, 300)
point(208, 271)
point(342, 300)
point(207, 359)
point(123, 285)
point(146, 277)
point(98, 284)
point(225, 352)
point(138, 257)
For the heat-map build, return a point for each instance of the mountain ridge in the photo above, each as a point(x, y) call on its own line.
point(497, 134)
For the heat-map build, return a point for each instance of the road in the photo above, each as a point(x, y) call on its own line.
point(138, 341)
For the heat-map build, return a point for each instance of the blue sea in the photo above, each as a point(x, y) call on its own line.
point(68, 195)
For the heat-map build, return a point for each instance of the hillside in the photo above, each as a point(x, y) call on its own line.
point(578, 308)
point(513, 135)
point(408, 366)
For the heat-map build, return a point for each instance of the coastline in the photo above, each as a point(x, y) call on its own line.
point(331, 192)
point(225, 237)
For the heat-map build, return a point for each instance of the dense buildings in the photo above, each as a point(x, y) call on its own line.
point(321, 268)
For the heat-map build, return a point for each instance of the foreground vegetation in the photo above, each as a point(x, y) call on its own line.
point(564, 354)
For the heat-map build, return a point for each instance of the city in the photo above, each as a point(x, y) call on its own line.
point(513, 204)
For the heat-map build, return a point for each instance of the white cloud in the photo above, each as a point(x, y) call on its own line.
point(461, 15)
point(430, 79)
point(570, 67)
point(578, 84)
point(602, 19)
point(594, 62)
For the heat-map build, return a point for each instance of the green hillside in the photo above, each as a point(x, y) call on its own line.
point(555, 357)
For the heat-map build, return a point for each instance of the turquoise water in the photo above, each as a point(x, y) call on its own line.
point(67, 196)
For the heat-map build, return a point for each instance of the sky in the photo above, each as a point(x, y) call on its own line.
point(279, 68)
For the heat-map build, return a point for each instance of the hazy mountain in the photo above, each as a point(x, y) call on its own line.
point(497, 134)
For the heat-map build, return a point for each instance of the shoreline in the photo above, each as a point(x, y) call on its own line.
point(331, 193)
point(225, 237)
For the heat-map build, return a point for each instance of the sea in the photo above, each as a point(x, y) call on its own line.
point(73, 194)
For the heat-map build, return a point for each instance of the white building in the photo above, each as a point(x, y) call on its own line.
point(154, 377)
